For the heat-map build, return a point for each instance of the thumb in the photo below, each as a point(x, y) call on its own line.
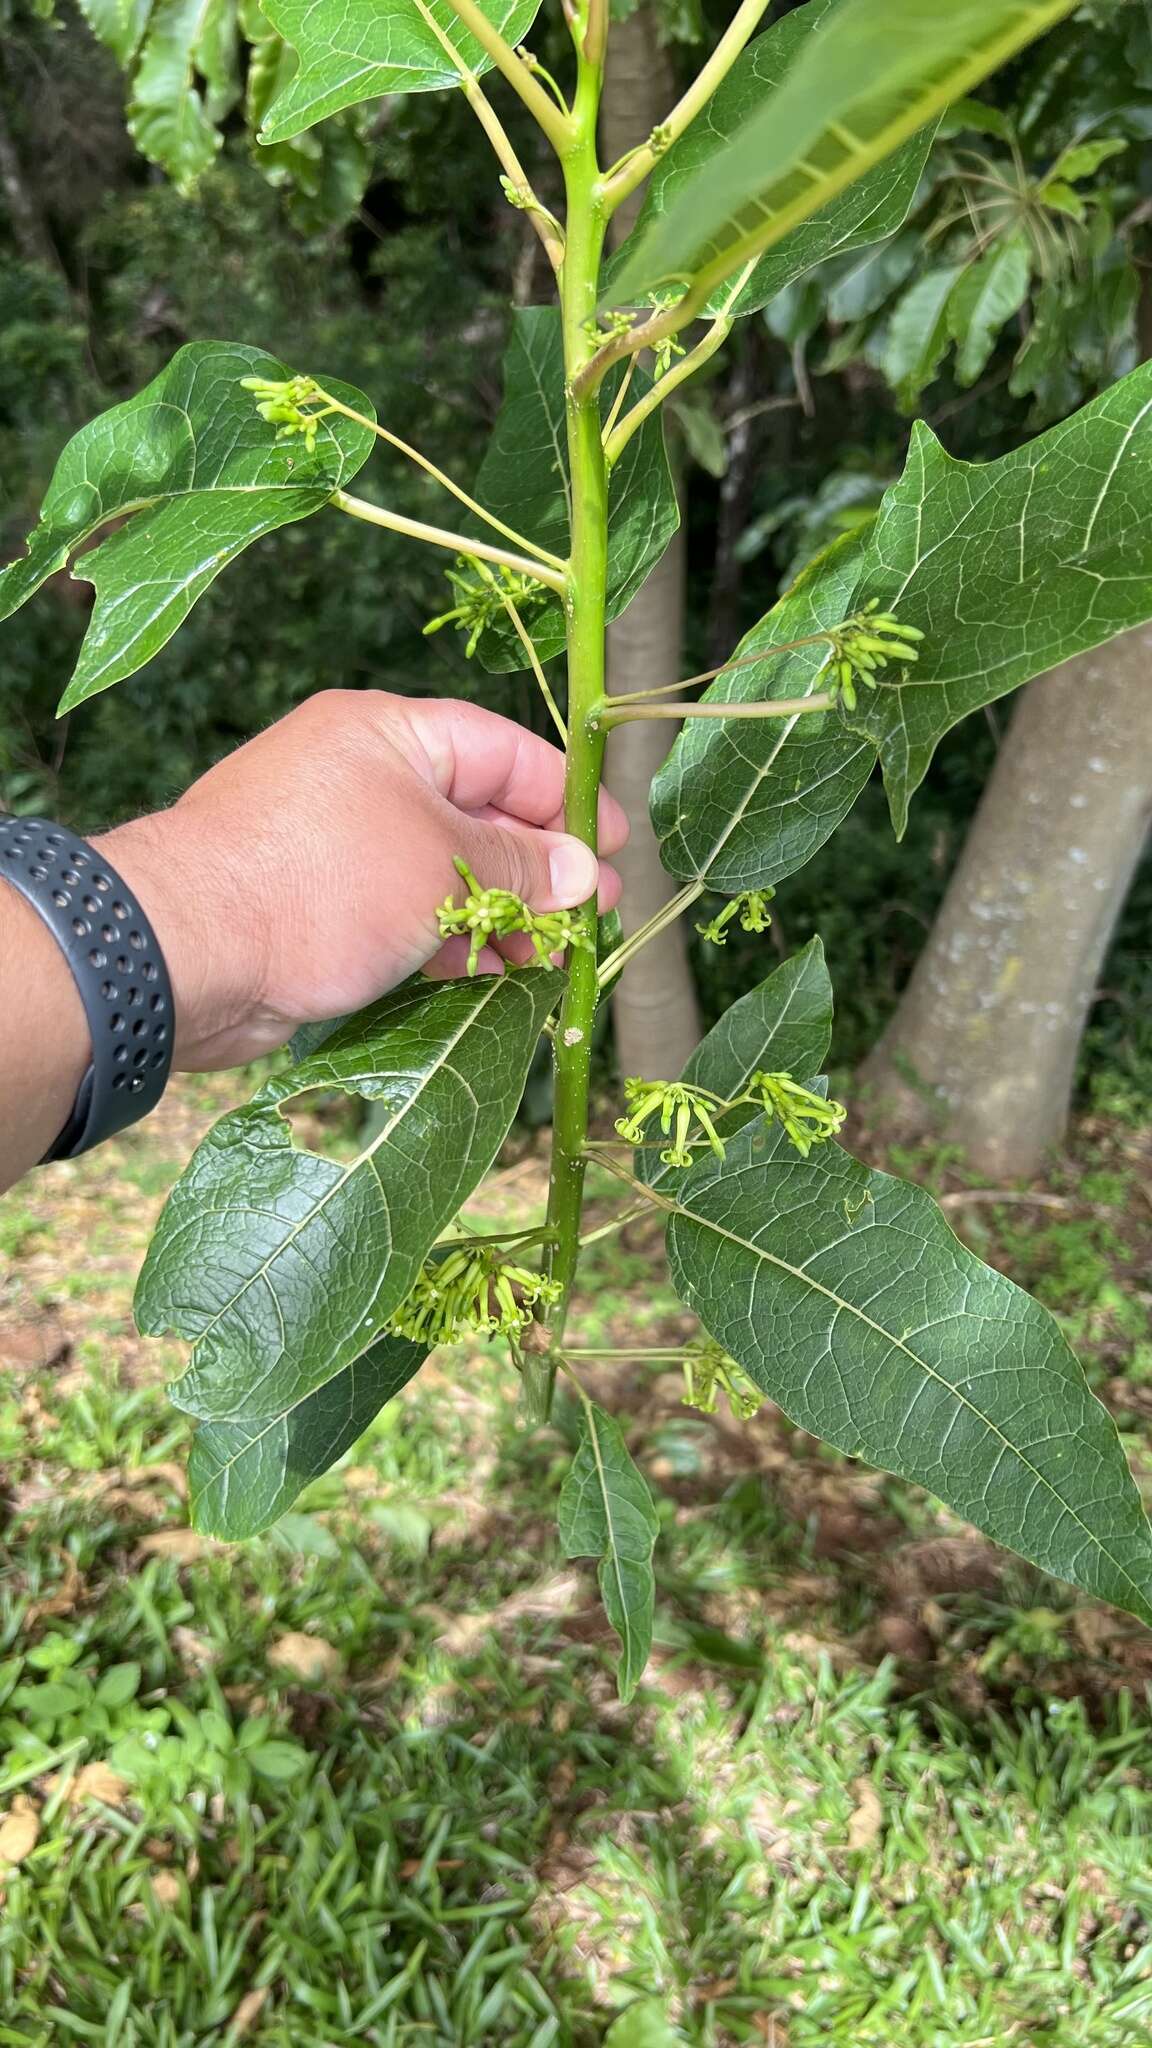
point(550, 870)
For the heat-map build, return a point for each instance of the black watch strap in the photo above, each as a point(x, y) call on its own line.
point(118, 968)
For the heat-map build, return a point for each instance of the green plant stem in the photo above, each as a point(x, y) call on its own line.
point(542, 682)
point(627, 1351)
point(617, 437)
point(438, 476)
point(709, 675)
point(617, 1223)
point(769, 707)
point(586, 608)
point(440, 537)
point(547, 228)
point(631, 171)
point(543, 110)
point(666, 915)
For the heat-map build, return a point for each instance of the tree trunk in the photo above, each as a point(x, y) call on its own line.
point(983, 1046)
point(654, 1010)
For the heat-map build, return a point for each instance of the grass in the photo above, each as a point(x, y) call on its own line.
point(371, 1783)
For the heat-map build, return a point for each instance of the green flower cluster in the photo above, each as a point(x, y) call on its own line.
point(472, 1292)
point(867, 641)
point(708, 1371)
point(807, 1118)
point(677, 1103)
point(482, 598)
point(496, 913)
point(752, 910)
point(283, 405)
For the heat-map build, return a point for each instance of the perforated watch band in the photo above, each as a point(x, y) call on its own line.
point(117, 966)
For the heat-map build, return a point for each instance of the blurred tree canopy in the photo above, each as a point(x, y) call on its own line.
point(380, 251)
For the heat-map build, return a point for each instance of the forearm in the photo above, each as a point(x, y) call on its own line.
point(44, 1043)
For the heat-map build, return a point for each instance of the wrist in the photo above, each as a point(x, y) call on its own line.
point(213, 950)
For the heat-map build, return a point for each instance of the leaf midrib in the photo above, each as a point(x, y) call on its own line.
point(806, 1279)
point(353, 1166)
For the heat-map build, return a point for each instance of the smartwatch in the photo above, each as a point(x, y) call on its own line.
point(117, 966)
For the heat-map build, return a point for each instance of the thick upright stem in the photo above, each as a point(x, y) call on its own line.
point(586, 605)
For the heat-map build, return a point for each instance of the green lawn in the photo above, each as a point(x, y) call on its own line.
point(366, 1779)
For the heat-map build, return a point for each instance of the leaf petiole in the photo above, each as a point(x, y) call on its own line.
point(441, 537)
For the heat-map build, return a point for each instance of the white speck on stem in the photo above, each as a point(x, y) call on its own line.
point(573, 1035)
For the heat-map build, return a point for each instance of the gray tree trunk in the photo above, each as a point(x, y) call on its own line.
point(983, 1046)
point(654, 1011)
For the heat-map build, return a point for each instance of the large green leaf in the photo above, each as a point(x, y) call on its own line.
point(845, 1296)
point(782, 1026)
point(352, 50)
point(871, 75)
point(867, 211)
point(524, 478)
point(740, 803)
point(606, 1511)
point(1008, 567)
point(243, 1475)
point(279, 1264)
point(196, 476)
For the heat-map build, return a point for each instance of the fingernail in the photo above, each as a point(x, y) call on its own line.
point(574, 871)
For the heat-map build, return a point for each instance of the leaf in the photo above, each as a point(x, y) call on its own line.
point(118, 24)
point(643, 2025)
point(1008, 567)
point(243, 1475)
point(783, 1026)
point(281, 1265)
point(606, 1511)
point(1082, 159)
point(704, 435)
point(119, 1684)
point(966, 117)
point(741, 804)
point(988, 293)
point(353, 50)
point(845, 1296)
point(917, 335)
point(281, 1761)
point(869, 76)
point(863, 288)
point(196, 475)
point(167, 116)
point(524, 479)
point(869, 210)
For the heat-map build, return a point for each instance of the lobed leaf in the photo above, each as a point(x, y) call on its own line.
point(243, 1475)
point(353, 50)
point(281, 1265)
point(782, 1026)
point(606, 1511)
point(867, 211)
point(196, 476)
point(524, 479)
point(741, 804)
point(1009, 567)
point(844, 1295)
point(869, 76)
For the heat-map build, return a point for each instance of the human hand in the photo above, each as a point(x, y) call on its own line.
point(299, 878)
